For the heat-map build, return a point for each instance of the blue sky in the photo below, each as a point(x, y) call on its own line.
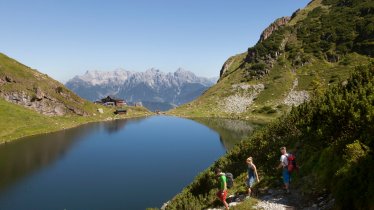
point(63, 38)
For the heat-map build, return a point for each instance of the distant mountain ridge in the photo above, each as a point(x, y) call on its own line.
point(154, 88)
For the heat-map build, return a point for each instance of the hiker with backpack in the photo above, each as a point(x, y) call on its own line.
point(252, 176)
point(288, 165)
point(222, 180)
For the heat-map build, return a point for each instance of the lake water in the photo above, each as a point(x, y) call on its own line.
point(123, 164)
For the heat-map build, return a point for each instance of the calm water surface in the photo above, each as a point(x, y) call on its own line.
point(124, 164)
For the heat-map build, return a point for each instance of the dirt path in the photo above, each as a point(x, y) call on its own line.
point(277, 199)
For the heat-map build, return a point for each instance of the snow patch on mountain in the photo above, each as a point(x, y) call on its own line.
point(152, 86)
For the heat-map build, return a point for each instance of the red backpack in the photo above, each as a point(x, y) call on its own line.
point(292, 166)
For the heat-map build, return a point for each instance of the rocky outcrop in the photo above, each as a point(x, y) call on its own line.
point(19, 84)
point(226, 66)
point(6, 79)
point(261, 58)
point(39, 95)
point(273, 27)
point(41, 103)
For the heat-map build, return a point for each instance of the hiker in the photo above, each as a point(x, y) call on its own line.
point(284, 165)
point(252, 176)
point(222, 193)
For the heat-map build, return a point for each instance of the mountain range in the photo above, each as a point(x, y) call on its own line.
point(155, 89)
point(32, 103)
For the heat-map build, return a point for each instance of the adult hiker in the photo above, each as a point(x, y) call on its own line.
point(252, 176)
point(222, 193)
point(284, 165)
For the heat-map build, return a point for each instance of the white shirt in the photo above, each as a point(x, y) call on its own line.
point(284, 160)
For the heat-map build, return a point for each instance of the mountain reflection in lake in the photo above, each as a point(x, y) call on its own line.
point(231, 131)
point(123, 164)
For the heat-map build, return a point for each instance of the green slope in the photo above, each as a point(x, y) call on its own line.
point(17, 121)
point(318, 47)
point(27, 117)
point(334, 137)
point(16, 78)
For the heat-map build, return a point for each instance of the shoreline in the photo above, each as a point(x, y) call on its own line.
point(119, 117)
point(73, 125)
point(253, 118)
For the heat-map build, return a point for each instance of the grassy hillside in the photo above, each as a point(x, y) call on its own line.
point(33, 103)
point(334, 137)
point(317, 48)
point(22, 85)
point(17, 121)
point(322, 55)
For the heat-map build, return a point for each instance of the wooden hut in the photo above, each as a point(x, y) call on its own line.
point(113, 101)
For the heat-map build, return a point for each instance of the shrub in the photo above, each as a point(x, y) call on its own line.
point(334, 133)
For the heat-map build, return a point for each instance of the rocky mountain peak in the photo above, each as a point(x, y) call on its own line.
point(152, 86)
point(153, 71)
point(273, 27)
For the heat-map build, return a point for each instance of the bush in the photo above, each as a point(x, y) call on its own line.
point(59, 89)
point(334, 133)
point(258, 66)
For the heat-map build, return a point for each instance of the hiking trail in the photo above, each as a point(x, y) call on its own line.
point(277, 199)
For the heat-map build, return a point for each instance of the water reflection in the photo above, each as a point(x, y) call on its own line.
point(118, 125)
point(231, 131)
point(22, 157)
point(115, 126)
point(71, 168)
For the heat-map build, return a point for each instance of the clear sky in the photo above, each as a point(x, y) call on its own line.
point(63, 38)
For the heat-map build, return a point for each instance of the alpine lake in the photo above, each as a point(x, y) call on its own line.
point(123, 164)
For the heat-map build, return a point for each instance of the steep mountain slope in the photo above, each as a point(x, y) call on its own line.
point(155, 89)
point(296, 57)
point(333, 139)
point(331, 133)
point(33, 103)
point(22, 85)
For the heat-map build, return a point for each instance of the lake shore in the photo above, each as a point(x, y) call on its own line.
point(55, 124)
point(95, 159)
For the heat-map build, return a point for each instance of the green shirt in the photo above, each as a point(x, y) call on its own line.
point(222, 181)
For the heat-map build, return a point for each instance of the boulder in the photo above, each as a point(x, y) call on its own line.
point(39, 94)
point(9, 79)
point(59, 110)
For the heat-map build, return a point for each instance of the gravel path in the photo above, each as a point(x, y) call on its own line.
point(277, 200)
point(267, 205)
